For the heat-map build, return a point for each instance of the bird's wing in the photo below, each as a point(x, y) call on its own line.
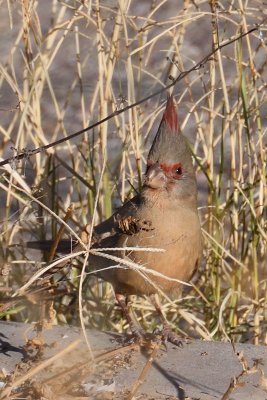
point(112, 224)
point(119, 222)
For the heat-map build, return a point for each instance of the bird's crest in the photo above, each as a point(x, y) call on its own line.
point(169, 145)
point(170, 115)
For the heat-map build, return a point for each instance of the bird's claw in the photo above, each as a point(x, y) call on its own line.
point(144, 338)
point(172, 338)
point(168, 336)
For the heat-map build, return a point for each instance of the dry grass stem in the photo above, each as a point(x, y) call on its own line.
point(65, 66)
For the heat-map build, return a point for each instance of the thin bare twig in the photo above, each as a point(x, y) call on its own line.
point(180, 77)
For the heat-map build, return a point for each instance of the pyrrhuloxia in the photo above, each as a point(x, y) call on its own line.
point(168, 204)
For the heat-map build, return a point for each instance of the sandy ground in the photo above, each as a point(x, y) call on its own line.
point(199, 370)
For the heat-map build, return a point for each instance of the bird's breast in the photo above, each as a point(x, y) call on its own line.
point(176, 233)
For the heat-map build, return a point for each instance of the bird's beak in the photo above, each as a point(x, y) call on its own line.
point(155, 178)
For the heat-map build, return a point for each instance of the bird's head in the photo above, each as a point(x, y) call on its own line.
point(169, 162)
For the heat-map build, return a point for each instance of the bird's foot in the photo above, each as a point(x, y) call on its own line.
point(147, 339)
point(167, 335)
point(141, 337)
point(172, 338)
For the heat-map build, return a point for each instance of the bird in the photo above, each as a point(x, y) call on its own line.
point(163, 215)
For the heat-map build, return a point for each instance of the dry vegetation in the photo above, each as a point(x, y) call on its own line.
point(67, 64)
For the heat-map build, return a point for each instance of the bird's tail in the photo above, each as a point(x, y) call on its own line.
point(64, 246)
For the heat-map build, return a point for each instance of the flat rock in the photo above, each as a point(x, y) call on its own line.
point(199, 370)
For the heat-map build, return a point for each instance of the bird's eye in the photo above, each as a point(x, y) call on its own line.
point(178, 171)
